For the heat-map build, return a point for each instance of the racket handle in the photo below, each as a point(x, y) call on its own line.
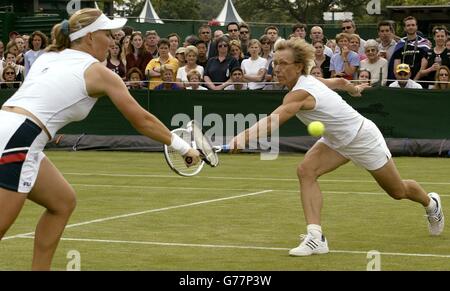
point(188, 160)
point(225, 148)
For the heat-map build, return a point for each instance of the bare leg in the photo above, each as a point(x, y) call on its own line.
point(319, 160)
point(54, 193)
point(10, 205)
point(389, 179)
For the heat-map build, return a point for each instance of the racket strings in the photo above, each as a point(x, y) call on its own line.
point(177, 161)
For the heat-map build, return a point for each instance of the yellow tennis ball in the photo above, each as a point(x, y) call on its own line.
point(316, 128)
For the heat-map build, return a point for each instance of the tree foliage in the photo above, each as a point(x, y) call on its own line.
point(308, 11)
point(311, 11)
point(210, 9)
point(413, 2)
point(273, 11)
point(166, 9)
point(177, 9)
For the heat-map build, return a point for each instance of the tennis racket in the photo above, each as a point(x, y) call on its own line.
point(194, 136)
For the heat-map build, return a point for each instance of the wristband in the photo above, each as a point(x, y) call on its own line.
point(179, 144)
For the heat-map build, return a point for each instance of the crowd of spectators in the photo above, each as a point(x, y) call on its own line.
point(238, 60)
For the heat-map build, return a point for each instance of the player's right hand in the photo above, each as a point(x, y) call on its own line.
point(234, 145)
point(192, 157)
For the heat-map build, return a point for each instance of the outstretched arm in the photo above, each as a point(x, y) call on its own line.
point(292, 103)
point(102, 81)
point(344, 85)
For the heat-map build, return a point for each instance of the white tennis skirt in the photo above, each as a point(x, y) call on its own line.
point(368, 149)
point(21, 151)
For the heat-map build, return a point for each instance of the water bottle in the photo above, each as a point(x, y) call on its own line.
point(438, 60)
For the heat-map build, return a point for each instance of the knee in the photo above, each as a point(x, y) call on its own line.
point(304, 171)
point(66, 205)
point(70, 202)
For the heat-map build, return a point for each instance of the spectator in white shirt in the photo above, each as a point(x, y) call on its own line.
point(237, 80)
point(403, 75)
point(194, 77)
point(191, 53)
point(254, 68)
point(374, 63)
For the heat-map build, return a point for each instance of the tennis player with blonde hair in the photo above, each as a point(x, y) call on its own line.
point(348, 136)
point(62, 86)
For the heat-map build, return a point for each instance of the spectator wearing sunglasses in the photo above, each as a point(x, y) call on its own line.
point(10, 59)
point(349, 26)
point(267, 53)
point(244, 37)
point(9, 77)
point(442, 79)
point(217, 71)
point(233, 30)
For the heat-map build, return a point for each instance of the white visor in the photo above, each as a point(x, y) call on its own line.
point(102, 23)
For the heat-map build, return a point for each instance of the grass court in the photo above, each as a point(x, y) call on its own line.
point(133, 213)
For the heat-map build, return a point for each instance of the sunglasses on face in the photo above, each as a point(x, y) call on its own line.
point(222, 45)
point(206, 32)
point(265, 43)
point(9, 73)
point(232, 30)
point(244, 32)
point(346, 27)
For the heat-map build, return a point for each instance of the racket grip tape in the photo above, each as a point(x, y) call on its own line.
point(188, 160)
point(225, 148)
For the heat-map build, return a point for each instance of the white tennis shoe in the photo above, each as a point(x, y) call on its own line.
point(435, 216)
point(310, 246)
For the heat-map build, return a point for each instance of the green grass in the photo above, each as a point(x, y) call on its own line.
point(245, 233)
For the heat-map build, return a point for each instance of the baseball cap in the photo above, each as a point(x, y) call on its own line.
point(180, 50)
point(403, 68)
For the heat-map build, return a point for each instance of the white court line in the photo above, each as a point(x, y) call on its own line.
point(226, 189)
point(236, 247)
point(148, 211)
point(236, 178)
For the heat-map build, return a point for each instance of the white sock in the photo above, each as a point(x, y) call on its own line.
point(315, 230)
point(431, 207)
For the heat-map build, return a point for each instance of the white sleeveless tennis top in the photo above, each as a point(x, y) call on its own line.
point(55, 90)
point(341, 121)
